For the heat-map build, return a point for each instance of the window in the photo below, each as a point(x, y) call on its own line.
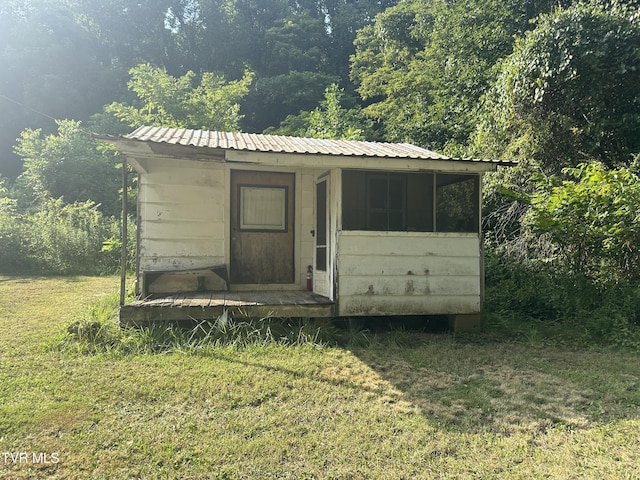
point(457, 203)
point(263, 208)
point(321, 226)
point(386, 202)
point(410, 202)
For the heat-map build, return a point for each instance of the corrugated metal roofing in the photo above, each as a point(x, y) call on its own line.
point(253, 142)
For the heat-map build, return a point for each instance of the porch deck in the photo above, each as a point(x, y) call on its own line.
point(209, 305)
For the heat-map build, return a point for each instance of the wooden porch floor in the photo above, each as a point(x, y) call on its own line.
point(210, 305)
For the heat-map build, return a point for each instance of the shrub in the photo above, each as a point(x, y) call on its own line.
point(59, 239)
point(11, 235)
point(525, 297)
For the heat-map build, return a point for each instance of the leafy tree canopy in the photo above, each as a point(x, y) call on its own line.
point(593, 219)
point(67, 165)
point(331, 120)
point(168, 101)
point(424, 65)
point(569, 92)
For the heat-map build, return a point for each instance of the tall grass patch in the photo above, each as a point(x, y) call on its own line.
point(541, 302)
point(96, 331)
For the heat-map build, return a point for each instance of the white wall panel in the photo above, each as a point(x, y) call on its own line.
point(182, 216)
point(410, 273)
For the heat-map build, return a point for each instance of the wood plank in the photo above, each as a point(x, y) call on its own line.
point(408, 244)
point(396, 265)
point(178, 301)
point(408, 285)
point(369, 163)
point(172, 173)
point(169, 262)
point(182, 248)
point(184, 228)
point(200, 299)
point(365, 305)
point(205, 305)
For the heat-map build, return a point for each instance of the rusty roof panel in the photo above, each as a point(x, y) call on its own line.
point(253, 142)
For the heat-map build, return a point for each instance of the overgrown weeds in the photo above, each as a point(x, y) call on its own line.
point(96, 331)
point(95, 337)
point(540, 303)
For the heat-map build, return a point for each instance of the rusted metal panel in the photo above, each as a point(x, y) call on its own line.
point(282, 144)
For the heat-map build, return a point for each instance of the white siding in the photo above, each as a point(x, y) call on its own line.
point(182, 216)
point(408, 273)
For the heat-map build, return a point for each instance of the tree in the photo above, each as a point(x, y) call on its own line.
point(67, 165)
point(51, 67)
point(383, 69)
point(130, 32)
point(423, 66)
point(331, 120)
point(274, 98)
point(569, 92)
point(168, 101)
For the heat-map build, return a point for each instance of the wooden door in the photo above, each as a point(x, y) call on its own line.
point(262, 229)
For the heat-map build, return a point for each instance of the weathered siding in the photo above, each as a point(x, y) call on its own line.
point(182, 208)
point(395, 273)
point(184, 218)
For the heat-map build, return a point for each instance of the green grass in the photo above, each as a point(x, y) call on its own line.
point(397, 406)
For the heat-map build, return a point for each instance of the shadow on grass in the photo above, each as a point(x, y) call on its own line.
point(475, 383)
point(465, 383)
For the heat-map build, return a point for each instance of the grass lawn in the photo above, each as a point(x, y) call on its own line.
point(433, 406)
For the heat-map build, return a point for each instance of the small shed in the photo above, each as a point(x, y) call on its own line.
point(294, 226)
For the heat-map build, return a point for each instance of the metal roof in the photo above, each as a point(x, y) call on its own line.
point(253, 142)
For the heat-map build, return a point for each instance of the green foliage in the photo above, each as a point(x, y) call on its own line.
point(274, 98)
point(60, 238)
point(331, 120)
point(563, 260)
point(593, 219)
point(60, 216)
point(168, 101)
point(10, 233)
point(69, 165)
point(51, 63)
point(112, 248)
point(386, 68)
point(537, 300)
point(67, 238)
point(568, 93)
point(96, 331)
point(423, 66)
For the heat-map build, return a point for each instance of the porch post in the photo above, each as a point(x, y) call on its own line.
point(123, 252)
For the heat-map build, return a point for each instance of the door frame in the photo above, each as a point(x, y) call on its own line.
point(296, 172)
point(322, 279)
